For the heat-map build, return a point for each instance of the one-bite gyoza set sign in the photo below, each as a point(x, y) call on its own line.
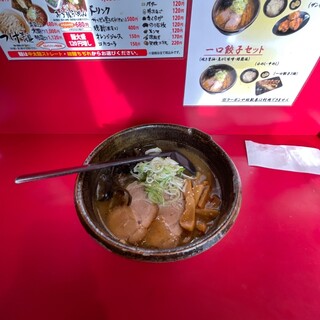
point(92, 29)
point(250, 52)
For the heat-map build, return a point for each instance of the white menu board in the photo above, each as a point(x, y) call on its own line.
point(250, 52)
point(92, 29)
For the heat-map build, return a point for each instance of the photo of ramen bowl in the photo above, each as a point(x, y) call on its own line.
point(218, 78)
point(234, 16)
point(36, 16)
point(120, 212)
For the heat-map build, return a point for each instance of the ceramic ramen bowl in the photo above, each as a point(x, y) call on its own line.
point(194, 144)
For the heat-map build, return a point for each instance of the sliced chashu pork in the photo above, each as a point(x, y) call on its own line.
point(228, 20)
point(165, 231)
point(131, 223)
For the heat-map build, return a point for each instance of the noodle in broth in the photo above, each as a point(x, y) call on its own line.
point(136, 219)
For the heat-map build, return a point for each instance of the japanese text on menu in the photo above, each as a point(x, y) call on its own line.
point(86, 29)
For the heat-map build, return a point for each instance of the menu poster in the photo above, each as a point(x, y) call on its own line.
point(92, 29)
point(250, 52)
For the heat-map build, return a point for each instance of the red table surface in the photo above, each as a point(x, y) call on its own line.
point(266, 267)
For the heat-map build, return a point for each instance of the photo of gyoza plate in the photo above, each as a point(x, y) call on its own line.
point(266, 85)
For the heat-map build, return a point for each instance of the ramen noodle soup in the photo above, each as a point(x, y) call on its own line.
point(36, 16)
point(156, 204)
point(234, 15)
point(217, 78)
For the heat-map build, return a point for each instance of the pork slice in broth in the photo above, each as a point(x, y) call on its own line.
point(233, 22)
point(130, 223)
point(171, 214)
point(165, 230)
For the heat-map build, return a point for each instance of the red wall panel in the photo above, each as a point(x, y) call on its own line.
point(104, 96)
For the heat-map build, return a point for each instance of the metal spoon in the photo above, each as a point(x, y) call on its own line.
point(175, 155)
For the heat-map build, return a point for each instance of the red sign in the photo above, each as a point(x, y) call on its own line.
point(45, 54)
point(79, 39)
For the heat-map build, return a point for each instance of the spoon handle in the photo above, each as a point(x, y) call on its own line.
point(85, 168)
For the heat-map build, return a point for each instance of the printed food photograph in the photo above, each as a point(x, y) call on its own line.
point(74, 5)
point(267, 85)
point(265, 74)
point(291, 23)
point(295, 4)
point(34, 14)
point(233, 16)
point(249, 75)
point(13, 25)
point(218, 78)
point(53, 4)
point(273, 8)
point(67, 5)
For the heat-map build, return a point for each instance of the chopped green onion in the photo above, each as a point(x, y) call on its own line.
point(162, 177)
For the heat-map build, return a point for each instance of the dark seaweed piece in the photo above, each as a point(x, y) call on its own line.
point(126, 153)
point(104, 188)
point(210, 73)
point(226, 4)
point(121, 196)
point(107, 189)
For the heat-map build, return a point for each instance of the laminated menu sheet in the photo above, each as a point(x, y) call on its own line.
point(250, 52)
point(284, 157)
point(92, 29)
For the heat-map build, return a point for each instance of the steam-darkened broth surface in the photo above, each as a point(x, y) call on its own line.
point(126, 210)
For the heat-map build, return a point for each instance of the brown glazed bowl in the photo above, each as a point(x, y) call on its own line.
point(177, 136)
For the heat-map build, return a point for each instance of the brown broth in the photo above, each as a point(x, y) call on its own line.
point(103, 208)
point(223, 19)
